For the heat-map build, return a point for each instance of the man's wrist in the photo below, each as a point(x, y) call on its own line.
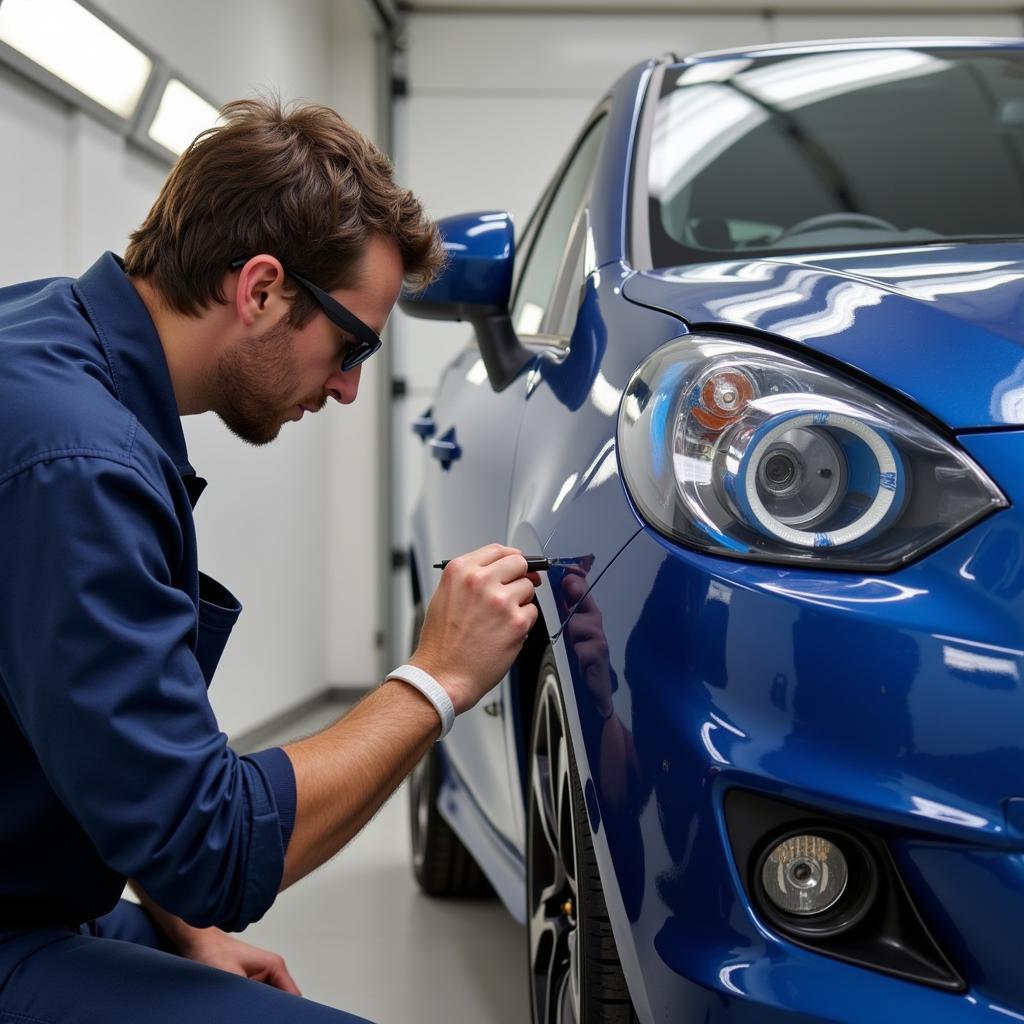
point(431, 689)
point(457, 684)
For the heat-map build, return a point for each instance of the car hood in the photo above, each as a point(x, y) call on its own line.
point(943, 325)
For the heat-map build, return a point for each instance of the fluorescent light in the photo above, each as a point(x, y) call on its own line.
point(693, 126)
point(73, 44)
point(791, 84)
point(181, 116)
point(712, 71)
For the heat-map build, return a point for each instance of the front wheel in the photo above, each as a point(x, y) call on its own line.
point(440, 863)
point(575, 975)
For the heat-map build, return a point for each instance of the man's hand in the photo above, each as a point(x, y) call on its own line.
point(474, 627)
point(476, 622)
point(215, 948)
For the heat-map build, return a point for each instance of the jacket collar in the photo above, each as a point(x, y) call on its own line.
point(132, 346)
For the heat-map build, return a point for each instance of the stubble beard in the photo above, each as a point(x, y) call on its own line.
point(252, 379)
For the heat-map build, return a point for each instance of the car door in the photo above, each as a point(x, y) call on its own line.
point(544, 310)
point(468, 479)
point(465, 496)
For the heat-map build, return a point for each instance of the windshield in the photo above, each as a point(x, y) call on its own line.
point(862, 148)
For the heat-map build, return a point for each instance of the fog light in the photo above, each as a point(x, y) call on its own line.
point(827, 885)
point(805, 875)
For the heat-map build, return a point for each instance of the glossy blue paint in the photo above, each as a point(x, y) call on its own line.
point(464, 505)
point(423, 426)
point(570, 484)
point(893, 702)
point(480, 249)
point(609, 218)
point(892, 315)
point(445, 449)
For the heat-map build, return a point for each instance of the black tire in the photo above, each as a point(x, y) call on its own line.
point(575, 973)
point(440, 863)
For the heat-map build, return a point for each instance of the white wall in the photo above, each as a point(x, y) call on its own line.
point(494, 101)
point(271, 523)
point(295, 528)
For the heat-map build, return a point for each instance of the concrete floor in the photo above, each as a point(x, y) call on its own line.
point(358, 934)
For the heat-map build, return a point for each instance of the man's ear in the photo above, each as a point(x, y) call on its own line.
point(259, 289)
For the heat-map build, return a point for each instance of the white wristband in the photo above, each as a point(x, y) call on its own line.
point(432, 690)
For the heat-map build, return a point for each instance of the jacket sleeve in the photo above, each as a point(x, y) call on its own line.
point(96, 655)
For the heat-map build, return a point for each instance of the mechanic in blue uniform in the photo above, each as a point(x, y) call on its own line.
point(112, 766)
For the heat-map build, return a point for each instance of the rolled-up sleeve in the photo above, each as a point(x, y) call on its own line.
point(96, 657)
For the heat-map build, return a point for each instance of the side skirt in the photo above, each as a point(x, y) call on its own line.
point(499, 860)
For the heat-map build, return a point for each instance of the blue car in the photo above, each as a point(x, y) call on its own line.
point(752, 378)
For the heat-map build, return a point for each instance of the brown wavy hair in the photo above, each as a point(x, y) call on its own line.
point(299, 183)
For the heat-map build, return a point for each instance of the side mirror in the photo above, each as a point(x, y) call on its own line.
point(475, 286)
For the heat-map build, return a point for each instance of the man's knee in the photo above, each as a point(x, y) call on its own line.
point(79, 979)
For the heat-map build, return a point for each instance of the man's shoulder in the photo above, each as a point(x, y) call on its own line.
point(40, 303)
point(56, 390)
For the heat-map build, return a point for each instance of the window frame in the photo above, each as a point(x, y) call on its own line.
point(544, 338)
point(640, 253)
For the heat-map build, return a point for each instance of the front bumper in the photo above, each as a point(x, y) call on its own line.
point(890, 702)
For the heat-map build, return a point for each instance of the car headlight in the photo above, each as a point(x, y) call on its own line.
point(742, 451)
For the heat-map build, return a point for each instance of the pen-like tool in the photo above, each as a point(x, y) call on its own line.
point(534, 563)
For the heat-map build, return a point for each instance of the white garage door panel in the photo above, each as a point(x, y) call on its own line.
point(794, 27)
point(33, 182)
point(422, 347)
point(546, 54)
point(275, 47)
point(467, 152)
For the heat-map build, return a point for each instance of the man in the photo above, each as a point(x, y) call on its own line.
point(257, 285)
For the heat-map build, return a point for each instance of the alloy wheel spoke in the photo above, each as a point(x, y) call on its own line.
point(573, 978)
point(549, 957)
point(554, 737)
point(566, 834)
point(555, 890)
point(553, 887)
point(540, 780)
point(566, 1013)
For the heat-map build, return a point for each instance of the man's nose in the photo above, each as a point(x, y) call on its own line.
point(343, 386)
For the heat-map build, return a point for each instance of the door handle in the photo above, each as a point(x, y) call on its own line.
point(423, 426)
point(445, 448)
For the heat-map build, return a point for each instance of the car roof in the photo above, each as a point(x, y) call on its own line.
point(871, 43)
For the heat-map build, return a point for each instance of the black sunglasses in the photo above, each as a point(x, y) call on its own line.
point(366, 342)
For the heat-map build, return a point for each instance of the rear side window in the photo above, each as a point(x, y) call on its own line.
point(859, 148)
point(544, 262)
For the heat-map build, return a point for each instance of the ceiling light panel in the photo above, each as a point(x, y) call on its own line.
point(180, 117)
point(80, 49)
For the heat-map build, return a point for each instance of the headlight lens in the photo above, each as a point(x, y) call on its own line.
point(742, 451)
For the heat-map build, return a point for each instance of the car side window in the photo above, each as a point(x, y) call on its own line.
point(554, 236)
point(576, 266)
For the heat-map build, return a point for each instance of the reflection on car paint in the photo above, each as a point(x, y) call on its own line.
point(843, 304)
point(886, 702)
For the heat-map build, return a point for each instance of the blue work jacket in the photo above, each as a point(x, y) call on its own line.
point(112, 765)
